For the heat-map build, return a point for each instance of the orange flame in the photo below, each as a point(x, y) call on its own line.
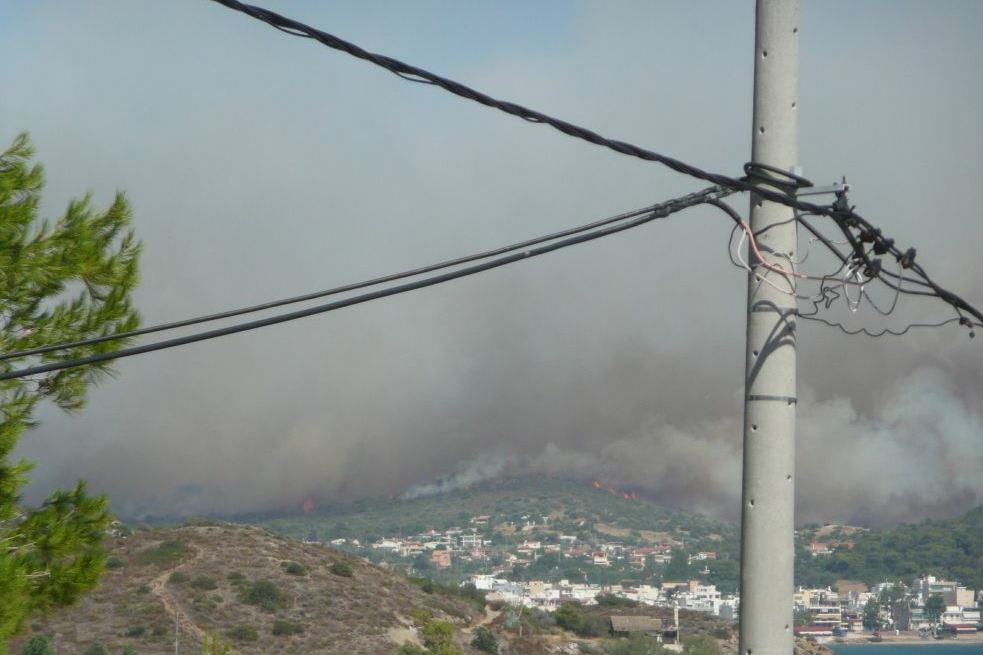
point(627, 495)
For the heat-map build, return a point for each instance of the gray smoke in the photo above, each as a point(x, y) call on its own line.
point(262, 166)
point(916, 454)
point(487, 466)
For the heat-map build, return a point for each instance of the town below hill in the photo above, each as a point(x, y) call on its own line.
point(512, 566)
point(212, 587)
point(525, 529)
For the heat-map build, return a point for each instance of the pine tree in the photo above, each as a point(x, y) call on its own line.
point(485, 641)
point(934, 608)
point(872, 614)
point(62, 281)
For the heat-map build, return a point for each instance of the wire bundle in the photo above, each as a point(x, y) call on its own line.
point(459, 267)
point(859, 267)
point(765, 182)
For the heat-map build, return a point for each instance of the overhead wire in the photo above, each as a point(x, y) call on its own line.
point(825, 291)
point(414, 272)
point(748, 234)
point(882, 332)
point(417, 74)
point(772, 188)
point(831, 246)
point(897, 297)
point(571, 237)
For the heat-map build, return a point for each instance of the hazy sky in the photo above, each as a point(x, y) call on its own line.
point(261, 165)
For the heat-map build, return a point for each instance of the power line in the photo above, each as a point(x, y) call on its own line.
point(828, 294)
point(416, 74)
point(660, 210)
point(878, 333)
point(844, 218)
point(779, 186)
point(336, 290)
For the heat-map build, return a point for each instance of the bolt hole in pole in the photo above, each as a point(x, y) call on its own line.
point(751, 503)
point(754, 427)
point(754, 352)
point(761, 130)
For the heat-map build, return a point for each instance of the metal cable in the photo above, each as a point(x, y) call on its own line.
point(772, 188)
point(661, 210)
point(336, 290)
point(829, 294)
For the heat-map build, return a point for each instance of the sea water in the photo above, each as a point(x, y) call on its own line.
point(909, 648)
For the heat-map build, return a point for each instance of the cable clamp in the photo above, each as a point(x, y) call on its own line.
point(873, 268)
point(883, 245)
point(908, 259)
point(969, 324)
point(835, 187)
point(869, 236)
point(787, 181)
point(841, 205)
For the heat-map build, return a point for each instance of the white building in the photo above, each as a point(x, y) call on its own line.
point(387, 544)
point(700, 598)
point(469, 541)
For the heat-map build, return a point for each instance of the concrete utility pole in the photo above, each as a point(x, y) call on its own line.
point(768, 491)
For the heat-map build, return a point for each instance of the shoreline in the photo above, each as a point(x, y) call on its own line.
point(907, 640)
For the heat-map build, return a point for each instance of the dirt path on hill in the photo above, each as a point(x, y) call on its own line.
point(158, 587)
point(402, 634)
point(490, 615)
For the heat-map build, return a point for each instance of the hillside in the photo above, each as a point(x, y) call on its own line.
point(950, 548)
point(265, 593)
point(504, 500)
point(209, 574)
point(517, 510)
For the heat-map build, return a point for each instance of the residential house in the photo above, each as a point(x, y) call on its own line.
point(928, 586)
point(441, 558)
point(819, 549)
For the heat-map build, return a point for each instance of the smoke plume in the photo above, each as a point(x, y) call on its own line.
point(262, 166)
